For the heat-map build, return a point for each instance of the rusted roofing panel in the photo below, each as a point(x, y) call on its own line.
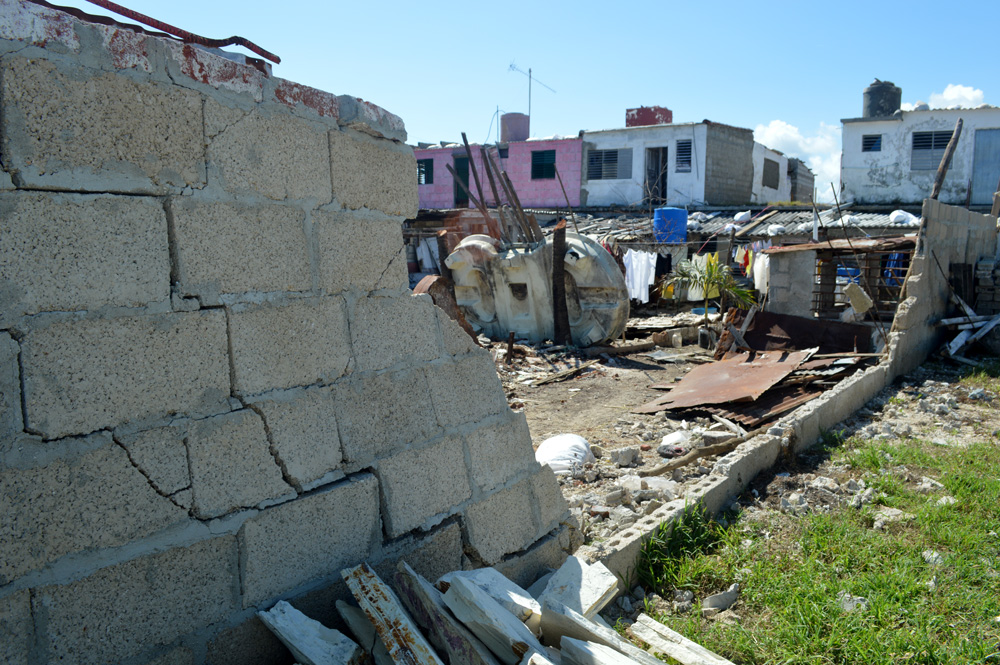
point(771, 405)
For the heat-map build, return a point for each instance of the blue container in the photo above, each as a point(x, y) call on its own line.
point(670, 225)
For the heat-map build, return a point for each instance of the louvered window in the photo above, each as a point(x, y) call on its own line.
point(928, 149)
point(770, 178)
point(425, 171)
point(684, 156)
point(871, 143)
point(543, 164)
point(609, 164)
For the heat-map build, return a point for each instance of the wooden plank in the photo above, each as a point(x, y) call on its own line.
point(560, 622)
point(619, 350)
point(398, 632)
point(985, 329)
point(736, 429)
point(310, 642)
point(663, 640)
point(754, 223)
point(942, 169)
point(565, 374)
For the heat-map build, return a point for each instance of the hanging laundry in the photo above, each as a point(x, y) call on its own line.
point(761, 272)
point(640, 273)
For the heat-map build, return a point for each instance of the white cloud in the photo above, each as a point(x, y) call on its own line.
point(819, 150)
point(955, 96)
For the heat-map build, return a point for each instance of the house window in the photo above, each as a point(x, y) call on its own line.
point(609, 164)
point(425, 171)
point(871, 143)
point(770, 178)
point(684, 156)
point(503, 152)
point(543, 164)
point(928, 149)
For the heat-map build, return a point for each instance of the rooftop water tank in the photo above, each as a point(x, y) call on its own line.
point(881, 99)
point(514, 127)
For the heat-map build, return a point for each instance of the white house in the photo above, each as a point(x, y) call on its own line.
point(770, 176)
point(893, 158)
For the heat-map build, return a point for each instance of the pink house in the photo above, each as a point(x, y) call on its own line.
point(531, 166)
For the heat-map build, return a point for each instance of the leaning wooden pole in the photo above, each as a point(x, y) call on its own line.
point(946, 160)
point(560, 313)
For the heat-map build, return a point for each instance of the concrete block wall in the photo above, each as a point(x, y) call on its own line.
point(728, 165)
point(216, 390)
point(791, 277)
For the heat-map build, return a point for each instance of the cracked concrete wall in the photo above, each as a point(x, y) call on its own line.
point(216, 390)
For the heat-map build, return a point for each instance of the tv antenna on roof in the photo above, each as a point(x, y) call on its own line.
point(515, 68)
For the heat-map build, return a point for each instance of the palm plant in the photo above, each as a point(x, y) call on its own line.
point(714, 279)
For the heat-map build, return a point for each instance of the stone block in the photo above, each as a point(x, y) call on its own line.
point(84, 375)
point(89, 501)
point(284, 346)
point(546, 555)
point(161, 455)
point(66, 252)
point(11, 421)
point(419, 486)
point(277, 556)
point(61, 131)
point(121, 610)
point(302, 427)
point(321, 604)
point(431, 554)
point(500, 451)
point(374, 174)
point(379, 413)
point(231, 466)
point(386, 330)
point(552, 506)
point(248, 642)
point(178, 656)
point(457, 342)
point(16, 628)
point(451, 383)
point(278, 156)
point(233, 248)
point(502, 523)
point(357, 251)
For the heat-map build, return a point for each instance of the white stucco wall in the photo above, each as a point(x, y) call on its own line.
point(682, 188)
point(885, 176)
point(763, 194)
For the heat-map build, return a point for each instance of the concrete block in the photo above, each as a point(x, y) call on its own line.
point(278, 156)
point(248, 642)
point(360, 252)
point(93, 500)
point(420, 486)
point(500, 451)
point(16, 628)
point(11, 421)
point(81, 376)
point(386, 330)
point(233, 248)
point(66, 252)
point(60, 130)
point(161, 455)
point(178, 656)
point(552, 506)
point(321, 604)
point(380, 413)
point(501, 523)
point(431, 554)
point(276, 554)
point(457, 342)
point(371, 119)
point(121, 610)
point(524, 568)
point(451, 383)
point(302, 427)
point(374, 174)
point(284, 346)
point(231, 466)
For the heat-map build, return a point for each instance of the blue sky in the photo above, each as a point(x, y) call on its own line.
point(788, 70)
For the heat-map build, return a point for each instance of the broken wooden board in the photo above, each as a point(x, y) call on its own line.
point(565, 374)
point(511, 597)
point(364, 632)
point(501, 631)
point(310, 642)
point(560, 622)
point(663, 640)
point(580, 652)
point(426, 605)
point(398, 632)
point(581, 587)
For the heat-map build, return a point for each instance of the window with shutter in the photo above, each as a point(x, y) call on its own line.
point(928, 149)
point(609, 164)
point(871, 143)
point(543, 164)
point(683, 156)
point(425, 171)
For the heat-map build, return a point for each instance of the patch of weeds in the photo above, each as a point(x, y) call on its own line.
point(672, 547)
point(986, 377)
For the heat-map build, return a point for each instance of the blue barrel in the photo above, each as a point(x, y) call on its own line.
point(670, 225)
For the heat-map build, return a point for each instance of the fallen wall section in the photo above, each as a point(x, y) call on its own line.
point(215, 389)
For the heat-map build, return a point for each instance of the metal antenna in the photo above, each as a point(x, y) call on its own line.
point(515, 68)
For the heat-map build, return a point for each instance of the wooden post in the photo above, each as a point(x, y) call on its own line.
point(946, 160)
point(442, 245)
point(560, 314)
point(510, 349)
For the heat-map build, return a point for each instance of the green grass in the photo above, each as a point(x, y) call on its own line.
point(793, 568)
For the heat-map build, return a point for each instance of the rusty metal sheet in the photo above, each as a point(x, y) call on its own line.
point(771, 405)
point(742, 378)
point(769, 330)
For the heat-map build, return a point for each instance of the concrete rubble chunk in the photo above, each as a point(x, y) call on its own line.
point(310, 642)
point(394, 626)
point(560, 622)
point(663, 640)
point(500, 630)
point(11, 424)
point(722, 601)
point(535, 658)
point(511, 597)
point(581, 587)
point(580, 652)
point(364, 632)
point(426, 605)
point(537, 588)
